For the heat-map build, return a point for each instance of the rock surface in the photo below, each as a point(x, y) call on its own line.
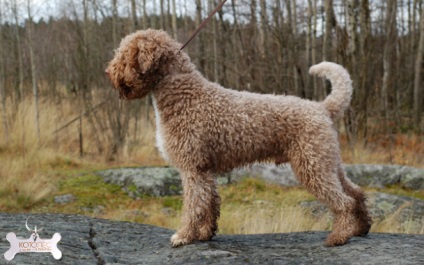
point(163, 181)
point(94, 241)
point(374, 176)
point(151, 181)
point(380, 176)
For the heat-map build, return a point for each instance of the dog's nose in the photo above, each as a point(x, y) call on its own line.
point(107, 72)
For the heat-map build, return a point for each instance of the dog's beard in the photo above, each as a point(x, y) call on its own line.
point(129, 93)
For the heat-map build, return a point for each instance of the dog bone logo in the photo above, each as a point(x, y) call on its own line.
point(33, 244)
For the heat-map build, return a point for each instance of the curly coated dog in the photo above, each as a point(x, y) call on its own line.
point(204, 129)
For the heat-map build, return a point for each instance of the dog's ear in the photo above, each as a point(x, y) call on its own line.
point(151, 54)
point(147, 55)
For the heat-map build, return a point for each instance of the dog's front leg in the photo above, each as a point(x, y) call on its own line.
point(200, 209)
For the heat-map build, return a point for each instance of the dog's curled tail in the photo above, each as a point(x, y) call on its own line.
point(338, 101)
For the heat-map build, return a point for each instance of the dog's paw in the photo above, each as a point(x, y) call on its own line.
point(334, 240)
point(177, 240)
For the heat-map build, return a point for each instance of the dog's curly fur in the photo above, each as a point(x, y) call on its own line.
point(204, 129)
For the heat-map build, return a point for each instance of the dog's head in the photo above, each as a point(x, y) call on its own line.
point(142, 60)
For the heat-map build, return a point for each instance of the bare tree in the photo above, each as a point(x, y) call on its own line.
point(330, 23)
point(294, 49)
point(211, 6)
point(19, 50)
point(114, 21)
point(33, 69)
point(134, 19)
point(200, 48)
point(263, 29)
point(174, 19)
point(162, 14)
point(2, 81)
point(145, 18)
point(362, 77)
point(389, 53)
point(352, 6)
point(313, 6)
point(418, 86)
point(389, 56)
point(309, 89)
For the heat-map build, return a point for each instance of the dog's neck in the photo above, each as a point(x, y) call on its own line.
point(173, 91)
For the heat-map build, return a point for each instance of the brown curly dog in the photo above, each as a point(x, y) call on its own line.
point(204, 129)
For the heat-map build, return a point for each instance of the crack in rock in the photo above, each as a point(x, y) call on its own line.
point(93, 246)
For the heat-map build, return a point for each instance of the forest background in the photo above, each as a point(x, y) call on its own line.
point(59, 111)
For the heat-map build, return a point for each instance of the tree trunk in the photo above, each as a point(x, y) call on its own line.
point(263, 29)
point(389, 61)
point(174, 19)
point(351, 28)
point(330, 23)
point(134, 19)
point(314, 44)
point(144, 20)
point(389, 53)
point(2, 82)
point(418, 87)
point(153, 17)
point(363, 91)
point(114, 21)
point(308, 89)
point(33, 70)
point(223, 29)
point(214, 43)
point(200, 48)
point(19, 52)
point(236, 45)
point(162, 15)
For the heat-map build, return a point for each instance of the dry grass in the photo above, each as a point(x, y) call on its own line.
point(255, 207)
point(33, 170)
point(400, 149)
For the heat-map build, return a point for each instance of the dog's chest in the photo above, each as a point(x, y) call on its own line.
point(160, 141)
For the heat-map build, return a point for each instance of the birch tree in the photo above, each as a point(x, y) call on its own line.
point(144, 19)
point(114, 20)
point(330, 23)
point(33, 69)
point(200, 48)
point(214, 42)
point(389, 53)
point(2, 81)
point(418, 86)
point(19, 51)
point(174, 19)
point(263, 29)
point(134, 19)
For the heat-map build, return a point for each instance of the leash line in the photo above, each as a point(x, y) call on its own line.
point(200, 27)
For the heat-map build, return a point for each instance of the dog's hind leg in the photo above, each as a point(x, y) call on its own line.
point(318, 173)
point(362, 215)
point(200, 209)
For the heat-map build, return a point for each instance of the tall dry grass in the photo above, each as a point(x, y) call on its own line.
point(29, 164)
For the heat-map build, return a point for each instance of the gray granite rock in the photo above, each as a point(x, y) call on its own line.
point(164, 181)
point(94, 241)
point(379, 176)
point(64, 199)
point(407, 211)
point(151, 181)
